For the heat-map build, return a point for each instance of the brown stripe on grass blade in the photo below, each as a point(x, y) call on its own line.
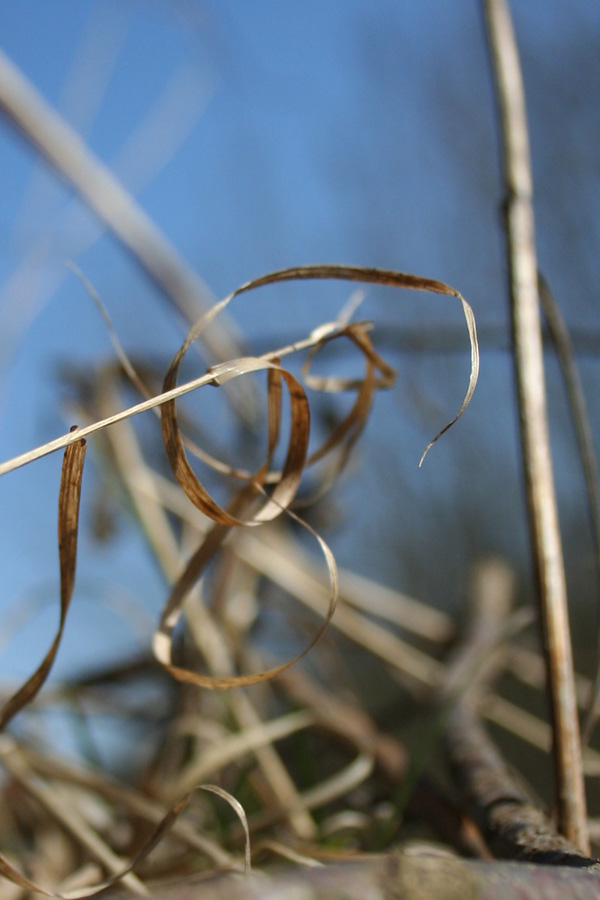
point(68, 520)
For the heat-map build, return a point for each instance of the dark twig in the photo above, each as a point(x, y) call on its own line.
point(541, 500)
point(512, 826)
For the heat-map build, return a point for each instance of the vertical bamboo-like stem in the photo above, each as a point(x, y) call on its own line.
point(541, 499)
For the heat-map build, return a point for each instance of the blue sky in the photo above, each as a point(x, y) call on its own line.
point(288, 133)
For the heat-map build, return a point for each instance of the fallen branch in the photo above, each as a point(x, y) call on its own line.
point(512, 826)
point(400, 876)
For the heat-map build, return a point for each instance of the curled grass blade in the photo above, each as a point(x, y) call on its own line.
point(162, 644)
point(351, 273)
point(367, 275)
point(287, 486)
point(239, 811)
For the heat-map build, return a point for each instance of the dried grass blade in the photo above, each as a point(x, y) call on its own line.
point(392, 279)
point(353, 424)
point(287, 486)
point(350, 428)
point(351, 273)
point(237, 745)
point(133, 800)
point(546, 544)
point(384, 602)
point(162, 643)
point(346, 434)
point(343, 437)
point(8, 871)
point(239, 811)
point(281, 850)
point(340, 784)
point(120, 353)
point(71, 437)
point(474, 375)
point(357, 332)
point(274, 410)
point(289, 574)
point(68, 521)
point(156, 836)
point(69, 818)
